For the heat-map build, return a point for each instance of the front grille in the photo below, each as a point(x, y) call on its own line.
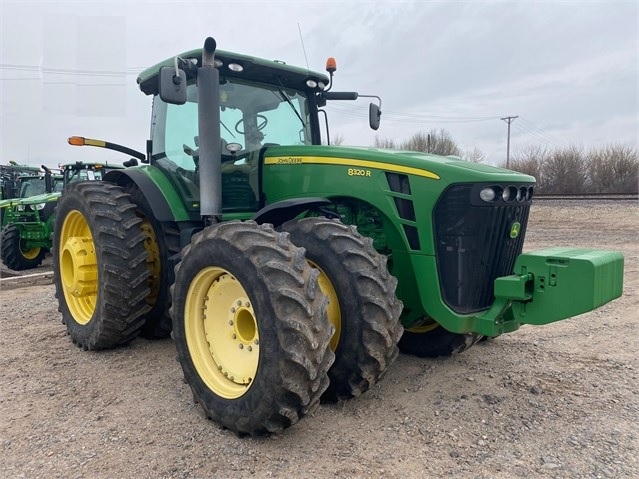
point(474, 245)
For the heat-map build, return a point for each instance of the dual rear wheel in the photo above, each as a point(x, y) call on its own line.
point(265, 323)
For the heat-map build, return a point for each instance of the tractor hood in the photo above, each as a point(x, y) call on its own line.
point(447, 168)
point(38, 199)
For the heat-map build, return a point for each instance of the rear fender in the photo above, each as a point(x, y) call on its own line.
point(280, 212)
point(155, 195)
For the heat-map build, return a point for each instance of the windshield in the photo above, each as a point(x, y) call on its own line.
point(32, 187)
point(252, 115)
point(73, 173)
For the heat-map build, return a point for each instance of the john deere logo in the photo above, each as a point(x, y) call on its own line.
point(514, 229)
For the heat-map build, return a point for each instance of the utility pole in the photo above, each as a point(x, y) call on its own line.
point(509, 120)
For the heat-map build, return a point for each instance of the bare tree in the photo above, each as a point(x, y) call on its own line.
point(385, 143)
point(474, 156)
point(337, 140)
point(613, 169)
point(530, 161)
point(565, 171)
point(440, 142)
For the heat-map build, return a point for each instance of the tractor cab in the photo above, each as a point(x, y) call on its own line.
point(258, 105)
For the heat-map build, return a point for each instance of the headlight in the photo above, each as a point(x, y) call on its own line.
point(522, 193)
point(40, 206)
point(20, 207)
point(510, 193)
point(488, 194)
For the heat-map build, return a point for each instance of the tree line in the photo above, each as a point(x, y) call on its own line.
point(612, 168)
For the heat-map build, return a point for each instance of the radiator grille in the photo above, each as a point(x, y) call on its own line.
point(474, 245)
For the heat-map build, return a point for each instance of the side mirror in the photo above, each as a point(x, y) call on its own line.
point(172, 85)
point(374, 115)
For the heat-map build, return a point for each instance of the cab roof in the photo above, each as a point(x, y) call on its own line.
point(256, 69)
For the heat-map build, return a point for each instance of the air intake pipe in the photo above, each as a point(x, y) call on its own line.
point(208, 90)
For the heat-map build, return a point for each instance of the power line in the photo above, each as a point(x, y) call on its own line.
point(69, 71)
point(537, 137)
point(540, 131)
point(401, 117)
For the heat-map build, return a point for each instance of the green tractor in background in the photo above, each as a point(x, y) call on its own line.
point(10, 178)
point(287, 270)
point(27, 222)
point(21, 181)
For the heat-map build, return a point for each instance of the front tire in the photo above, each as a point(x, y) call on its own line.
point(432, 341)
point(14, 255)
point(363, 306)
point(250, 327)
point(99, 265)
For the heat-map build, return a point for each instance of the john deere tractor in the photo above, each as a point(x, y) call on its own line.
point(27, 222)
point(288, 270)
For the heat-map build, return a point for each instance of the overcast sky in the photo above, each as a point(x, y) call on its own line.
point(569, 70)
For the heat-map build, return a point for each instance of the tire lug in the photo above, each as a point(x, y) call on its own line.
point(239, 303)
point(241, 346)
point(231, 322)
point(233, 310)
point(234, 336)
point(249, 348)
point(257, 341)
point(248, 305)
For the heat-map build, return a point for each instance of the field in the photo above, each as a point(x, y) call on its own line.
point(559, 401)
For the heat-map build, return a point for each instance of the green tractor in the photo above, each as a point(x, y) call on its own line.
point(288, 270)
point(27, 222)
point(10, 178)
point(20, 181)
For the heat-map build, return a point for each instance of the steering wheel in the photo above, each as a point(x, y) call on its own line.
point(261, 124)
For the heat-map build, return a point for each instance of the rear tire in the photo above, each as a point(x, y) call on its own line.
point(363, 306)
point(99, 265)
point(14, 255)
point(162, 240)
point(435, 341)
point(250, 327)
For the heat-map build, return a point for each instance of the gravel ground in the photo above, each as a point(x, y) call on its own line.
point(559, 401)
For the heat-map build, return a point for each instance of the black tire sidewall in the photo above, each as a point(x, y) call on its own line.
point(253, 402)
point(11, 250)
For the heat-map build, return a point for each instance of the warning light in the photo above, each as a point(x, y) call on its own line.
point(331, 65)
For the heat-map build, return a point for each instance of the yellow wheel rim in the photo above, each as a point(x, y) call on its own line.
point(426, 328)
point(31, 253)
point(222, 333)
point(78, 267)
point(333, 311)
point(153, 261)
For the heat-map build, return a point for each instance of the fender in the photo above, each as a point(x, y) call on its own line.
point(157, 200)
point(280, 212)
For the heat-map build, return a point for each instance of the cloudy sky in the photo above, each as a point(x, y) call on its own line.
point(569, 70)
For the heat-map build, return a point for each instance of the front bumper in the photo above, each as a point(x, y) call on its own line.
point(550, 285)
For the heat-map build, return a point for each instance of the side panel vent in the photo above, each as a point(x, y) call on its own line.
point(398, 183)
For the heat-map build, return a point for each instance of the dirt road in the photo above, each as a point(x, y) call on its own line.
point(560, 401)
